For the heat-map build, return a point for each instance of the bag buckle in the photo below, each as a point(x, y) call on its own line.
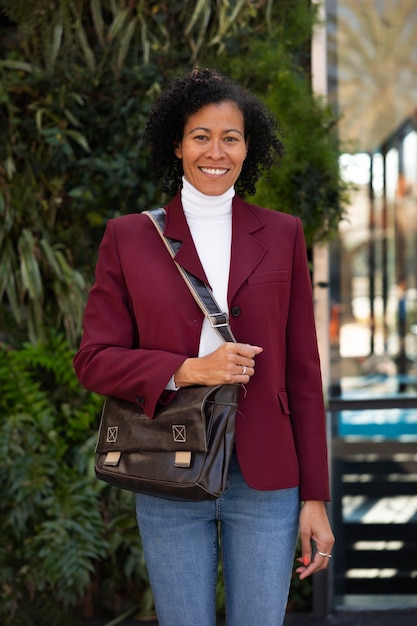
point(182, 459)
point(112, 458)
point(219, 319)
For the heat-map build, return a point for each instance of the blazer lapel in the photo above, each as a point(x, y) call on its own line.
point(177, 228)
point(247, 250)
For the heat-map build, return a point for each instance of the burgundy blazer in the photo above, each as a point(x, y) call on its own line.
point(141, 323)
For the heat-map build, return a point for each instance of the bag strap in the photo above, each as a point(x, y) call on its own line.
point(201, 292)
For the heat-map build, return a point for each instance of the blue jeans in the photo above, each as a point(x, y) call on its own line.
point(258, 531)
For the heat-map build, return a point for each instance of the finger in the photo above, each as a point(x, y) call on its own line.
point(306, 546)
point(305, 561)
point(249, 364)
point(304, 572)
point(247, 350)
point(244, 371)
point(322, 558)
point(314, 566)
point(326, 555)
point(309, 566)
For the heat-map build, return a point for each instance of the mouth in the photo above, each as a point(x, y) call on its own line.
point(214, 171)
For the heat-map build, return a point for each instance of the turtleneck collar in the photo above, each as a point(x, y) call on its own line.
point(198, 205)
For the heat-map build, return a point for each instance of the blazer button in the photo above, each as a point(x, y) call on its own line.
point(236, 311)
point(140, 400)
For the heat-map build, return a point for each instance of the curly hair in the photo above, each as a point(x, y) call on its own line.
point(201, 87)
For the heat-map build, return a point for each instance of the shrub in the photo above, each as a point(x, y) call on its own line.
point(68, 543)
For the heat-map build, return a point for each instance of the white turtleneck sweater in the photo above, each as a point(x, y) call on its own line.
point(210, 221)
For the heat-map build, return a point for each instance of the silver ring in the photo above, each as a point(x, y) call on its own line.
point(245, 369)
point(325, 554)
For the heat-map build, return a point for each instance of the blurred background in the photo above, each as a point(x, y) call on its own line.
point(372, 82)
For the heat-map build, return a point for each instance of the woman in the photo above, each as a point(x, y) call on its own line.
point(143, 334)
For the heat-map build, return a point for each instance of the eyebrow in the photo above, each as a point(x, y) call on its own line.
point(207, 130)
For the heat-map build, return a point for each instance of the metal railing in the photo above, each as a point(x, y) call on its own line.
point(323, 597)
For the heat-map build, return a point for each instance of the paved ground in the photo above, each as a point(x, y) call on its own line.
point(387, 617)
point(407, 617)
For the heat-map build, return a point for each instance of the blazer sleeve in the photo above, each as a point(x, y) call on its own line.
point(110, 360)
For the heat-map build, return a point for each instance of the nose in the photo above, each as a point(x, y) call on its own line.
point(215, 149)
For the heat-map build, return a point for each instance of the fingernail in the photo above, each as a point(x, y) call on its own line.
point(306, 560)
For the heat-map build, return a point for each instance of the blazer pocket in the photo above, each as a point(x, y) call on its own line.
point(263, 278)
point(283, 400)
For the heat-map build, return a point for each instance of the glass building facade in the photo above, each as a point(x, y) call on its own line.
point(372, 83)
point(372, 68)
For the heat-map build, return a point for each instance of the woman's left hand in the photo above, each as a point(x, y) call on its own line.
point(314, 527)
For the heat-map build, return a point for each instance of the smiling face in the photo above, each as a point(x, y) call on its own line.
point(213, 148)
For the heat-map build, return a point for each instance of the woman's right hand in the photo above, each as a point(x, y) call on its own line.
point(229, 363)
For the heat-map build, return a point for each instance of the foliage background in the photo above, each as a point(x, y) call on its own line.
point(77, 79)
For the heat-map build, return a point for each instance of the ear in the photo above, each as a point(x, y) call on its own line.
point(177, 150)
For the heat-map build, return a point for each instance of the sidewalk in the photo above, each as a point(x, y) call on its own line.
point(383, 617)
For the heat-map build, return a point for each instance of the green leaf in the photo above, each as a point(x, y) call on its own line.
point(17, 65)
point(98, 21)
point(88, 53)
point(56, 44)
point(125, 42)
point(117, 25)
point(29, 267)
point(78, 138)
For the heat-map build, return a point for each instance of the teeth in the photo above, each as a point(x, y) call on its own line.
point(217, 172)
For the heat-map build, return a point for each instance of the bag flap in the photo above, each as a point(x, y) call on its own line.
point(180, 425)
